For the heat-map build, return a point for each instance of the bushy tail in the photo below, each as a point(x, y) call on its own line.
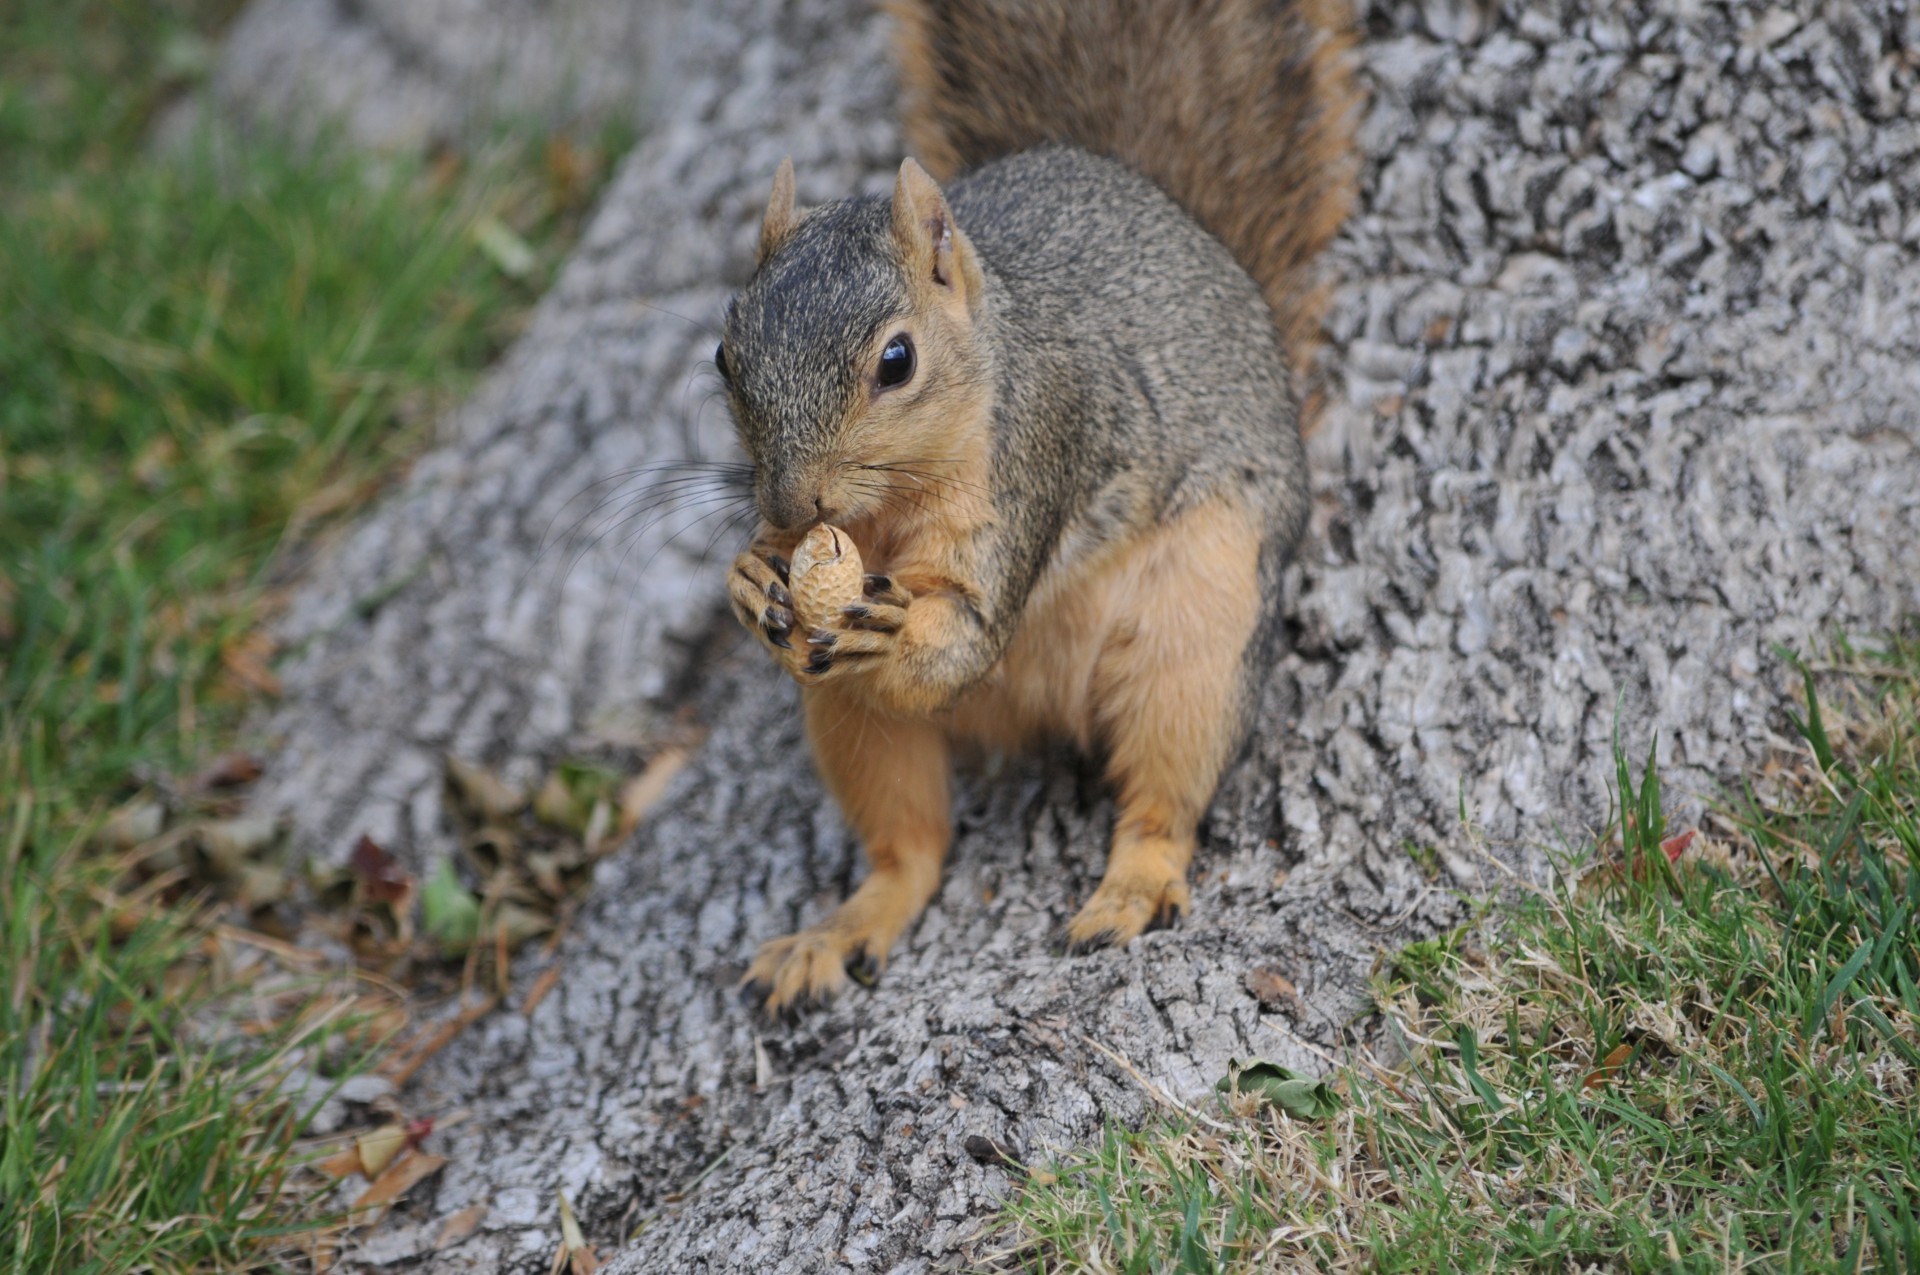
point(1242, 110)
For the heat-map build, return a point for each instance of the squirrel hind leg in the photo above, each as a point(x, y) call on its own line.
point(1168, 698)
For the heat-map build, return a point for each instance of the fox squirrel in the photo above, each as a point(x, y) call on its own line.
point(1051, 403)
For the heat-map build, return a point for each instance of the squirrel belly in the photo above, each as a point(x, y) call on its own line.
point(1052, 406)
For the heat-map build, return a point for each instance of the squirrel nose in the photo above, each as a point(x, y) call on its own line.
point(788, 507)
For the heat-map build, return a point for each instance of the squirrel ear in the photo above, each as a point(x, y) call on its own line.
point(931, 245)
point(779, 219)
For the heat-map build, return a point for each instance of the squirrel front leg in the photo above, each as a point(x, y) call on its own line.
point(910, 647)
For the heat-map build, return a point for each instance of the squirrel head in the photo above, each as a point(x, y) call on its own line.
point(854, 359)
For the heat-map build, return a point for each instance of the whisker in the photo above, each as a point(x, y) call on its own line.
point(652, 305)
point(673, 490)
point(911, 494)
point(723, 500)
point(663, 545)
point(903, 468)
point(724, 471)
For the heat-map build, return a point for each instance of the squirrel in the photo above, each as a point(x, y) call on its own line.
point(1048, 388)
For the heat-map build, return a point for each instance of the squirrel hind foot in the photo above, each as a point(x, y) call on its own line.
point(1127, 905)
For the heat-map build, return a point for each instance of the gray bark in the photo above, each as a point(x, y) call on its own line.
point(1625, 376)
point(407, 74)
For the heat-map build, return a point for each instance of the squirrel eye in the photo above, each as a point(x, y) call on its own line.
point(720, 361)
point(896, 363)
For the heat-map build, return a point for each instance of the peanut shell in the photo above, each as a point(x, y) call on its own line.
point(825, 575)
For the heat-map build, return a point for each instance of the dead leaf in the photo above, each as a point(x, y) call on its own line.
point(459, 1226)
point(599, 823)
point(378, 1147)
point(516, 924)
point(544, 867)
point(493, 848)
point(1612, 1063)
point(133, 824)
point(342, 1164)
point(555, 806)
point(401, 1176)
point(229, 770)
point(1272, 988)
point(382, 880)
point(246, 662)
point(641, 793)
point(261, 885)
point(490, 796)
point(576, 1255)
point(1676, 845)
point(230, 844)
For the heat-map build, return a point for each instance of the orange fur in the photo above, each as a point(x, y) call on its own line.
point(1138, 651)
point(890, 777)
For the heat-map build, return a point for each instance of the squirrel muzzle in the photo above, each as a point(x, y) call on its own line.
point(790, 498)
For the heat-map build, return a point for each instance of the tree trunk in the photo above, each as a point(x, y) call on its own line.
point(1624, 375)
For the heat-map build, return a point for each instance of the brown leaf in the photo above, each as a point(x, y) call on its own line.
point(555, 806)
point(641, 793)
point(1612, 1063)
point(401, 1176)
point(1676, 845)
point(229, 770)
point(459, 1226)
point(246, 662)
point(490, 796)
point(381, 878)
point(515, 924)
point(342, 1164)
point(1272, 988)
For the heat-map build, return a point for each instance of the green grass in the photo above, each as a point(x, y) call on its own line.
point(203, 362)
point(1703, 1067)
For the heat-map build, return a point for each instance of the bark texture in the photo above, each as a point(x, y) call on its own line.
point(407, 74)
point(1625, 383)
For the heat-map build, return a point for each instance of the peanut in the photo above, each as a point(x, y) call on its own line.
point(826, 576)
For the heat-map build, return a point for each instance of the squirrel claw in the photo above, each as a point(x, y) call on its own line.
point(863, 969)
point(1092, 943)
point(883, 590)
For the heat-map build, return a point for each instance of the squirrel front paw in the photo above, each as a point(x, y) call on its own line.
point(757, 586)
point(854, 636)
